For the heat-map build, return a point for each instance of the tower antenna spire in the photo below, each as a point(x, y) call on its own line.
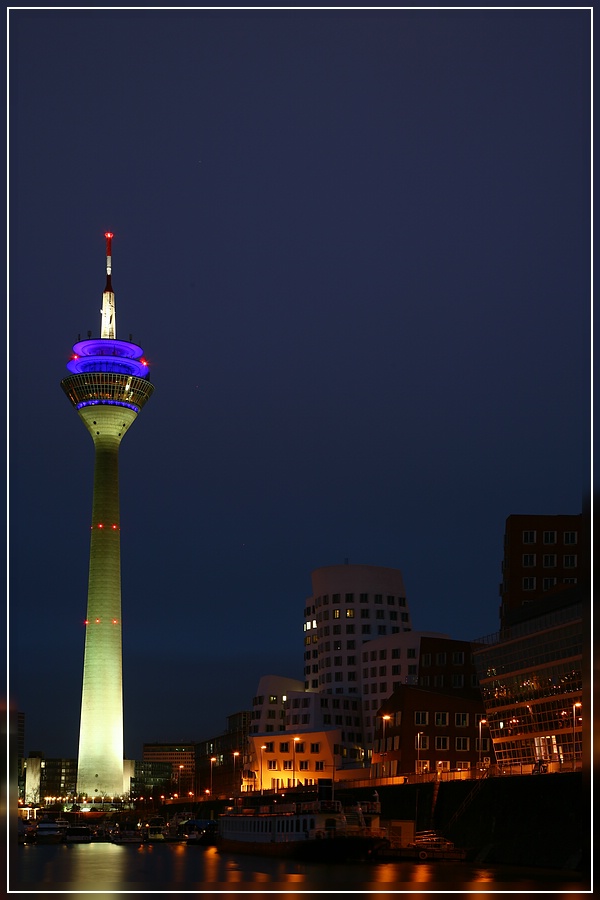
point(108, 312)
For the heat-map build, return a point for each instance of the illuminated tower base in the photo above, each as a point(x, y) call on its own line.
point(108, 387)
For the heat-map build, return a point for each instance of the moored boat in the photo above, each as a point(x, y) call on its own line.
point(317, 830)
point(78, 834)
point(49, 832)
point(125, 836)
point(204, 834)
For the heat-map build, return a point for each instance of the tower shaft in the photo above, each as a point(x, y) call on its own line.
point(100, 761)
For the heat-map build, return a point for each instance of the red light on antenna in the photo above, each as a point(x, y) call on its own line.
point(108, 234)
point(86, 621)
point(97, 621)
point(114, 527)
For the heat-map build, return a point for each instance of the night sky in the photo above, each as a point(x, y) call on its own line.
point(355, 247)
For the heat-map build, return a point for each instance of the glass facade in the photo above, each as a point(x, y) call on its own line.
point(107, 387)
point(532, 686)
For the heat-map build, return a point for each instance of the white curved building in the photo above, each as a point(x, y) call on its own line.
point(350, 604)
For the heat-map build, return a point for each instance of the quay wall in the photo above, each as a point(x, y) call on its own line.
point(524, 820)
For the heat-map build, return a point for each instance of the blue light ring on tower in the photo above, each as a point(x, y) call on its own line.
point(107, 347)
point(107, 403)
point(106, 364)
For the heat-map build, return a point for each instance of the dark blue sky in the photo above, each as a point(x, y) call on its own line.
point(354, 246)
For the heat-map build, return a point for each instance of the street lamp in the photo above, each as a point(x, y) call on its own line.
point(576, 706)
point(419, 734)
point(384, 719)
point(296, 739)
point(213, 759)
point(481, 722)
point(262, 747)
point(235, 753)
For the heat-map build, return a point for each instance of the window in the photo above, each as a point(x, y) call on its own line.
point(272, 765)
point(440, 659)
point(529, 584)
point(426, 659)
point(336, 614)
point(378, 598)
point(528, 560)
point(411, 653)
point(315, 748)
point(269, 746)
point(349, 613)
point(299, 746)
point(569, 562)
point(462, 743)
point(441, 718)
point(549, 560)
point(287, 765)
point(273, 698)
point(395, 653)
point(396, 669)
point(461, 720)
point(380, 614)
point(284, 747)
point(349, 598)
point(364, 598)
point(549, 537)
point(441, 743)
point(364, 613)
point(458, 681)
point(421, 717)
point(421, 741)
point(529, 537)
point(570, 537)
point(365, 629)
point(548, 583)
point(319, 765)
point(458, 658)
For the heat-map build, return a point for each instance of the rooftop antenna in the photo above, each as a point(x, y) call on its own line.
point(108, 311)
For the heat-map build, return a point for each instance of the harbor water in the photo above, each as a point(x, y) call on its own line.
point(174, 868)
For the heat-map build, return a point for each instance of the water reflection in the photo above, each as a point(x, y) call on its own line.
point(177, 868)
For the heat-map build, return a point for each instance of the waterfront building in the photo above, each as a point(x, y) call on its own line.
point(543, 554)
point(426, 730)
point(222, 762)
point(48, 780)
point(268, 703)
point(531, 677)
point(108, 386)
point(151, 779)
point(181, 757)
point(295, 760)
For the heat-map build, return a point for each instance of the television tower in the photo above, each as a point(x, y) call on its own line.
point(108, 386)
